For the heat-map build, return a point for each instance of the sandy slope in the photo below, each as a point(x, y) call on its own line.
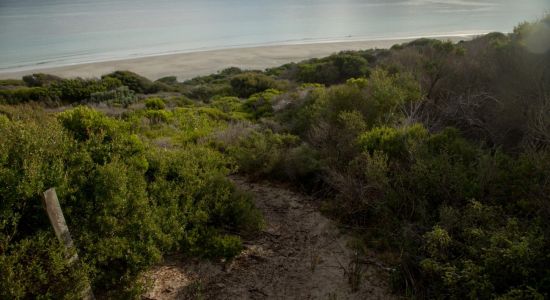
point(299, 255)
point(188, 65)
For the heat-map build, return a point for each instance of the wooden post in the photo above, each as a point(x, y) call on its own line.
point(53, 209)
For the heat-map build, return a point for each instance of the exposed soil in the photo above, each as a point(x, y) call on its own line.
point(300, 254)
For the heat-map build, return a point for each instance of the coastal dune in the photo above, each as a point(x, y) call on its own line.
point(189, 65)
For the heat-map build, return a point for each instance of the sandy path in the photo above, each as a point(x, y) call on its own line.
point(299, 255)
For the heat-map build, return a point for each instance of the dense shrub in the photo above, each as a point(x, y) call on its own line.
point(261, 104)
point(59, 90)
point(25, 94)
point(133, 81)
point(77, 90)
point(264, 154)
point(7, 83)
point(125, 203)
point(37, 266)
point(227, 104)
point(246, 84)
point(157, 116)
point(378, 100)
point(205, 92)
point(456, 209)
point(333, 69)
point(119, 96)
point(448, 189)
point(40, 79)
point(31, 261)
point(169, 80)
point(155, 103)
point(396, 143)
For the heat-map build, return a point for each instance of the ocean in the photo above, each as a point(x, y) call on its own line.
point(64, 32)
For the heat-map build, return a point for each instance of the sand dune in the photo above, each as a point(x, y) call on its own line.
point(189, 65)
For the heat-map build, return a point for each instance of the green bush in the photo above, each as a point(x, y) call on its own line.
point(227, 246)
point(474, 249)
point(378, 100)
point(260, 105)
point(264, 154)
point(396, 143)
point(156, 116)
point(246, 84)
point(32, 262)
point(125, 203)
point(261, 153)
point(491, 256)
point(205, 92)
point(79, 90)
point(333, 69)
point(25, 94)
point(170, 80)
point(37, 267)
point(11, 83)
point(50, 91)
point(40, 79)
point(155, 104)
point(227, 104)
point(133, 81)
point(118, 96)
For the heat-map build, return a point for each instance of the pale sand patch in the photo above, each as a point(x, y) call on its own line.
point(300, 254)
point(189, 65)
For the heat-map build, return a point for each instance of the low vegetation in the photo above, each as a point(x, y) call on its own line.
point(433, 153)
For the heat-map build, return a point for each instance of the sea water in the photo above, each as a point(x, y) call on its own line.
point(63, 32)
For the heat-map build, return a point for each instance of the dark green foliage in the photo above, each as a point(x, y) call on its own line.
point(205, 92)
point(498, 256)
point(64, 91)
point(377, 100)
point(473, 249)
point(76, 90)
point(465, 208)
point(119, 96)
point(231, 71)
point(7, 83)
point(26, 94)
point(125, 203)
point(170, 80)
point(489, 88)
point(246, 84)
point(277, 156)
point(333, 69)
point(32, 160)
point(134, 82)
point(28, 267)
point(40, 79)
point(222, 76)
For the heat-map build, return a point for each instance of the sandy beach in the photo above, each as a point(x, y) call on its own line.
point(189, 65)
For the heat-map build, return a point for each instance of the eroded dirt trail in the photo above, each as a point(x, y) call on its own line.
point(299, 255)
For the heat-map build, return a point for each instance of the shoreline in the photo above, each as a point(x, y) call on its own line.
point(186, 65)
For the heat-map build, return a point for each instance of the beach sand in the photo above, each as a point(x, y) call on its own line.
point(189, 65)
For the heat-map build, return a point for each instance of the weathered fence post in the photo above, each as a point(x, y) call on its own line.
point(53, 209)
